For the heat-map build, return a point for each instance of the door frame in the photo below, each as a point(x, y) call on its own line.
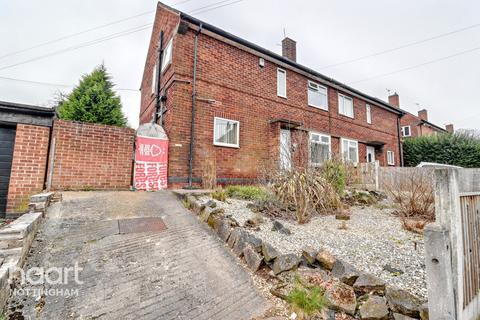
point(370, 150)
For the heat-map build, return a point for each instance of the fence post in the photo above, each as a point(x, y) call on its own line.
point(441, 298)
point(376, 172)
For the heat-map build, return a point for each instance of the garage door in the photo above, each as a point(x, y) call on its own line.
point(7, 140)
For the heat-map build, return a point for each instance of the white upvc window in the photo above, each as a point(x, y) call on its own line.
point(345, 105)
point(390, 158)
point(320, 148)
point(317, 96)
point(406, 131)
point(154, 78)
point(167, 55)
point(349, 150)
point(369, 114)
point(226, 133)
point(281, 83)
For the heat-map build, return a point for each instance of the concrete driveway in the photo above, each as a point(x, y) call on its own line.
point(132, 269)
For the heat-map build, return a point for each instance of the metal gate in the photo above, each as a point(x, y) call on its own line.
point(7, 141)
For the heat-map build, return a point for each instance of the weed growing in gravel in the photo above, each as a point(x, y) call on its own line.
point(247, 192)
point(306, 300)
point(219, 194)
point(185, 203)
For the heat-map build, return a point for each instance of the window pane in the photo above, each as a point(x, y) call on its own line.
point(348, 106)
point(281, 83)
point(319, 152)
point(317, 96)
point(226, 132)
point(167, 55)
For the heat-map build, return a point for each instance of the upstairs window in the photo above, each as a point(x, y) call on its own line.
point(317, 96)
point(350, 150)
point(319, 148)
point(282, 83)
point(406, 131)
point(369, 114)
point(390, 158)
point(226, 133)
point(154, 78)
point(167, 55)
point(345, 105)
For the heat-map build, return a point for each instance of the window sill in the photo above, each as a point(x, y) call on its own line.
point(318, 107)
point(234, 146)
point(283, 97)
point(344, 115)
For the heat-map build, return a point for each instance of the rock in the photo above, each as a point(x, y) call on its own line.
point(252, 258)
point(342, 216)
point(424, 314)
point(211, 204)
point(367, 283)
point(403, 302)
point(269, 252)
point(254, 242)
point(233, 237)
point(285, 262)
point(375, 308)
point(277, 226)
point(214, 221)
point(310, 255)
point(325, 259)
point(398, 316)
point(341, 297)
point(240, 244)
point(345, 272)
point(224, 230)
point(392, 270)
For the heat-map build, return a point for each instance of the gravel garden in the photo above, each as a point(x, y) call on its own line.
point(324, 249)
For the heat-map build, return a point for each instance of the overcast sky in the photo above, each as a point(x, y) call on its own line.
point(327, 32)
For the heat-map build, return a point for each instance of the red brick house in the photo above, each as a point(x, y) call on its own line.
point(246, 102)
point(417, 126)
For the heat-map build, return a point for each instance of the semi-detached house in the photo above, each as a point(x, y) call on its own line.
point(252, 108)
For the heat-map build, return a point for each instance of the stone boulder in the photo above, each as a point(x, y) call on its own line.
point(375, 308)
point(325, 259)
point(310, 255)
point(224, 230)
point(233, 237)
point(398, 316)
point(240, 244)
point(341, 297)
point(367, 283)
point(252, 258)
point(424, 313)
point(269, 252)
point(400, 301)
point(345, 272)
point(285, 262)
point(277, 226)
point(211, 204)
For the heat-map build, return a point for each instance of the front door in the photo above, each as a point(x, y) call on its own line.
point(370, 154)
point(7, 141)
point(285, 149)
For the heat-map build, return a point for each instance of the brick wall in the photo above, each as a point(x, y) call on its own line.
point(28, 165)
point(92, 156)
point(417, 129)
point(246, 92)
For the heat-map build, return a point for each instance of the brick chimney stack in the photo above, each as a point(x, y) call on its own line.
point(449, 128)
point(289, 49)
point(394, 100)
point(423, 114)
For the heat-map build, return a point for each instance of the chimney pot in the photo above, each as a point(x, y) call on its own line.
point(423, 114)
point(449, 128)
point(394, 100)
point(289, 49)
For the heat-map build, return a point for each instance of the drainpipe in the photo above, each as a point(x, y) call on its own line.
point(159, 78)
point(400, 148)
point(194, 98)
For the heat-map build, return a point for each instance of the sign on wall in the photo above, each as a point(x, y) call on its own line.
point(151, 159)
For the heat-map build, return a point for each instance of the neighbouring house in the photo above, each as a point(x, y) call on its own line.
point(24, 143)
point(417, 125)
point(253, 108)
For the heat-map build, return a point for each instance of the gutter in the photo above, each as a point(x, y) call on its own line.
point(194, 98)
point(286, 61)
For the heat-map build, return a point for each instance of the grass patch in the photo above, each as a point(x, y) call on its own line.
point(219, 194)
point(247, 192)
point(308, 300)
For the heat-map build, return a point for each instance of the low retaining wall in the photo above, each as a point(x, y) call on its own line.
point(364, 295)
point(15, 241)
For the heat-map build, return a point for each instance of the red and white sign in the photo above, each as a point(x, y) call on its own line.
point(151, 159)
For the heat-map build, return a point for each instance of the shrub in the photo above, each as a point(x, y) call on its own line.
point(412, 192)
point(306, 190)
point(247, 192)
point(334, 172)
point(219, 194)
point(461, 149)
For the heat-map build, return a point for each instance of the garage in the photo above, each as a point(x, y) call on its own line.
point(24, 142)
point(7, 141)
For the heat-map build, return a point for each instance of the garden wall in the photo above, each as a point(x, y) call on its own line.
point(87, 156)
